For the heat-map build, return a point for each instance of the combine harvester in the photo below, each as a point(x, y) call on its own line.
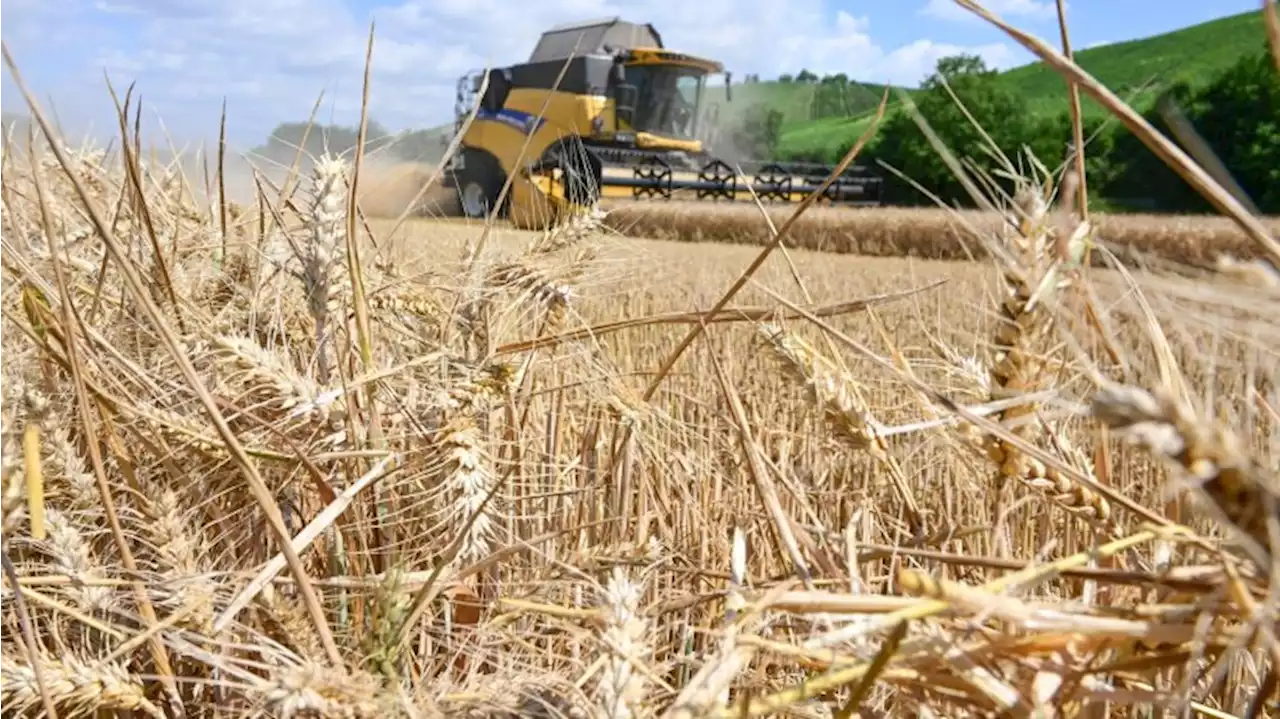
point(628, 118)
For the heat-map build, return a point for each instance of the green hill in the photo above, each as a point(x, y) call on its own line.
point(813, 112)
point(1135, 69)
point(1193, 55)
point(805, 102)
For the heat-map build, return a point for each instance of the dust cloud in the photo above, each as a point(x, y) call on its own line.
point(720, 127)
point(388, 185)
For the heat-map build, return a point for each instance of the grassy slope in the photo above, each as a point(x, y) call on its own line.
point(791, 98)
point(795, 99)
point(822, 138)
point(799, 132)
point(1193, 54)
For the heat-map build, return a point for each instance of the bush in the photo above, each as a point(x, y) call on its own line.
point(1238, 117)
point(1244, 120)
point(901, 144)
point(1237, 114)
point(759, 132)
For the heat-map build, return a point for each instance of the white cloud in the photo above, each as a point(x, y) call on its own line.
point(1022, 9)
point(271, 58)
point(922, 56)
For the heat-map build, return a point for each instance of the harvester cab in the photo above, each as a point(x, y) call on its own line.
point(604, 109)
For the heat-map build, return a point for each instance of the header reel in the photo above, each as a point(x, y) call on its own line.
point(675, 176)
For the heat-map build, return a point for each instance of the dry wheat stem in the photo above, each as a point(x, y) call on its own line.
point(322, 522)
point(142, 297)
point(845, 409)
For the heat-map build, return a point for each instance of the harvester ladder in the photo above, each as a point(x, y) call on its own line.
point(709, 126)
point(465, 99)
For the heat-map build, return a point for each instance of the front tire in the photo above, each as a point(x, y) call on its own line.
point(479, 185)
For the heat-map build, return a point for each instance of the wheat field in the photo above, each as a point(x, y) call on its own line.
point(292, 457)
point(892, 232)
point(925, 232)
point(501, 497)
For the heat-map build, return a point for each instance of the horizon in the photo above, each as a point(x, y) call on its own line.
point(186, 44)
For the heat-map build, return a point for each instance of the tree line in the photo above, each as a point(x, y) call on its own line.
point(1237, 114)
point(15, 125)
point(410, 146)
point(834, 95)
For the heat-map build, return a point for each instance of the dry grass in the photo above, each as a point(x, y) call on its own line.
point(463, 415)
point(290, 468)
point(927, 233)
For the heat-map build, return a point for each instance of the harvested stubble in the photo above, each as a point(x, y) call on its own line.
point(579, 574)
point(927, 233)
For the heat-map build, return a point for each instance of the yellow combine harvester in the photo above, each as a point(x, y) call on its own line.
point(628, 118)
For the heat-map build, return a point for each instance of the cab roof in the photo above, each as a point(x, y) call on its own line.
point(594, 37)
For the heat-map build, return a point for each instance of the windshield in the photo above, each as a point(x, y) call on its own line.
point(666, 99)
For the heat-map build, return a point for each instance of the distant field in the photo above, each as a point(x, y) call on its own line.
point(915, 232)
point(505, 493)
point(927, 232)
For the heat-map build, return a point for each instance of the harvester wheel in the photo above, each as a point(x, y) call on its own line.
point(479, 185)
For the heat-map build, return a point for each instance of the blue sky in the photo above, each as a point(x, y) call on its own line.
point(271, 58)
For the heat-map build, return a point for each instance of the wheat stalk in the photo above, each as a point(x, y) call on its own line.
point(844, 407)
point(321, 256)
point(468, 478)
point(1026, 321)
point(77, 687)
point(1210, 456)
point(622, 689)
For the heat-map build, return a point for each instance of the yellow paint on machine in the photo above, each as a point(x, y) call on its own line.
point(534, 120)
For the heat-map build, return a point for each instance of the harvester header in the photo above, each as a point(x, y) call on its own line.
point(605, 109)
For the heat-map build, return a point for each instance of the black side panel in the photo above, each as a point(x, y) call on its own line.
point(586, 75)
point(495, 95)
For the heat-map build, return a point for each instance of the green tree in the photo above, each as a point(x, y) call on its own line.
point(1140, 180)
point(759, 133)
point(287, 137)
point(1003, 116)
point(1237, 114)
point(1051, 138)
